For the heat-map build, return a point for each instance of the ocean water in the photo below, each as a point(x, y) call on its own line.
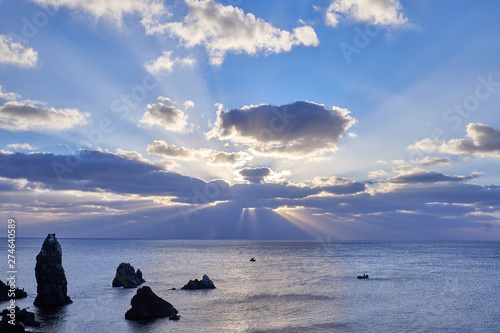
point(294, 286)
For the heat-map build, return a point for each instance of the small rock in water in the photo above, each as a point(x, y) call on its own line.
point(127, 277)
point(4, 292)
point(21, 317)
point(147, 305)
point(205, 283)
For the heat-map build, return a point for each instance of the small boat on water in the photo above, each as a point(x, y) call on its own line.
point(253, 259)
point(364, 276)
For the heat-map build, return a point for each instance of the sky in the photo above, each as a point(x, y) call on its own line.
point(251, 119)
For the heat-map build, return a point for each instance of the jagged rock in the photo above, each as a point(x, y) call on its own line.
point(147, 305)
point(205, 283)
point(4, 292)
point(50, 278)
point(127, 277)
point(21, 317)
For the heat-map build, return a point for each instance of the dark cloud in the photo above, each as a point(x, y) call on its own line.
point(293, 130)
point(229, 159)
point(97, 171)
point(179, 206)
point(254, 175)
point(432, 161)
point(429, 177)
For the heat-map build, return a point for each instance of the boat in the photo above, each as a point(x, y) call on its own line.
point(253, 259)
point(364, 276)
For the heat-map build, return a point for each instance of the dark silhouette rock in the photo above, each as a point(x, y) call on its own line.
point(174, 317)
point(147, 305)
point(127, 277)
point(205, 283)
point(4, 292)
point(50, 277)
point(21, 317)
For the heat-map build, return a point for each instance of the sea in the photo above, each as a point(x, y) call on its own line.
point(293, 286)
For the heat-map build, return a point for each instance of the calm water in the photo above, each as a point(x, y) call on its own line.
point(293, 286)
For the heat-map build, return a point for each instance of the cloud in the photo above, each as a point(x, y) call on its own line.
point(338, 185)
point(135, 156)
point(221, 158)
point(429, 177)
point(23, 146)
point(22, 116)
point(377, 173)
point(8, 96)
point(376, 12)
point(482, 141)
point(163, 149)
point(188, 104)
point(133, 190)
point(16, 54)
point(222, 29)
point(431, 161)
point(254, 175)
point(295, 130)
point(166, 116)
point(164, 63)
point(113, 11)
point(95, 171)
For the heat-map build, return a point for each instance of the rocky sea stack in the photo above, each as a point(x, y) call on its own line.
point(147, 305)
point(4, 292)
point(50, 277)
point(127, 277)
point(22, 318)
point(205, 283)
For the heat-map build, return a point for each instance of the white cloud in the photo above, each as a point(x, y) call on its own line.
point(166, 116)
point(16, 54)
point(113, 10)
point(188, 104)
point(22, 116)
point(23, 146)
point(298, 130)
point(8, 96)
point(377, 173)
point(223, 29)
point(482, 141)
point(377, 12)
point(165, 63)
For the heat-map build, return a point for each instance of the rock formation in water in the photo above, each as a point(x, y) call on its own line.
point(205, 283)
point(21, 317)
point(5, 291)
point(147, 305)
point(50, 277)
point(127, 277)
